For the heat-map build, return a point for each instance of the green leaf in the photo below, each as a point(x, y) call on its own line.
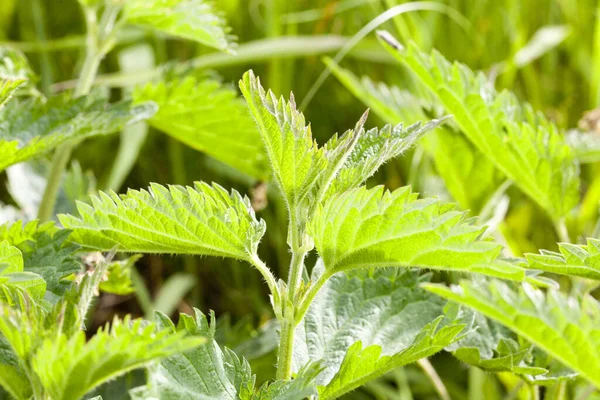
point(13, 278)
point(196, 20)
point(206, 373)
point(204, 220)
point(118, 279)
point(573, 260)
point(15, 68)
point(564, 327)
point(300, 388)
point(31, 128)
point(384, 310)
point(493, 347)
point(520, 142)
point(46, 253)
point(12, 376)
point(68, 368)
point(295, 158)
point(469, 176)
point(306, 173)
point(7, 88)
point(363, 365)
point(374, 148)
point(376, 228)
point(208, 117)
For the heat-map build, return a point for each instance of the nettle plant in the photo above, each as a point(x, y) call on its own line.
point(366, 307)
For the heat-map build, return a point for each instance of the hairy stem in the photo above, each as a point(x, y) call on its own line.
point(94, 54)
point(266, 273)
point(288, 324)
point(285, 352)
point(288, 303)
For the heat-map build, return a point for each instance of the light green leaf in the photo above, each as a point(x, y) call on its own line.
point(7, 88)
point(204, 220)
point(46, 253)
point(385, 311)
point(69, 368)
point(469, 176)
point(12, 376)
point(196, 20)
point(31, 128)
point(13, 278)
point(206, 373)
point(520, 142)
point(295, 158)
point(374, 148)
point(208, 117)
point(118, 279)
point(15, 68)
point(376, 228)
point(566, 328)
point(573, 260)
point(306, 173)
point(300, 388)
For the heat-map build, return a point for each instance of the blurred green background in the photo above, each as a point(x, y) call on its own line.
point(543, 50)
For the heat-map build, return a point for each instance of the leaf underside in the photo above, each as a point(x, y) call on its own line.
point(385, 311)
point(563, 327)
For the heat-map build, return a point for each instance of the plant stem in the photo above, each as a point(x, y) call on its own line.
point(285, 351)
point(562, 231)
point(266, 273)
point(310, 295)
point(288, 320)
point(435, 379)
point(288, 323)
point(94, 55)
point(535, 392)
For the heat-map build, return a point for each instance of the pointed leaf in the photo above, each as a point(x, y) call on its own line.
point(69, 368)
point(204, 220)
point(520, 142)
point(295, 158)
point(376, 228)
point(206, 373)
point(573, 260)
point(306, 173)
point(13, 278)
point(12, 377)
point(7, 88)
